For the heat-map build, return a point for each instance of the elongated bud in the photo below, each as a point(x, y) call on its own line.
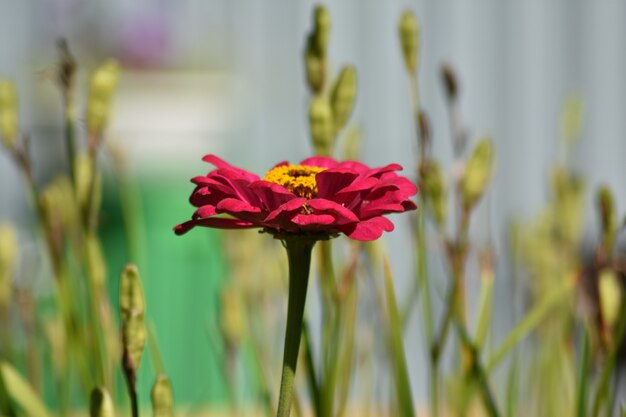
point(315, 53)
point(321, 29)
point(322, 126)
point(409, 31)
point(9, 115)
point(352, 144)
point(84, 169)
point(102, 86)
point(610, 294)
point(315, 71)
point(423, 125)
point(100, 404)
point(477, 173)
point(232, 320)
point(450, 83)
point(572, 118)
point(162, 397)
point(343, 96)
point(132, 309)
point(96, 263)
point(608, 217)
point(8, 260)
point(434, 190)
point(67, 65)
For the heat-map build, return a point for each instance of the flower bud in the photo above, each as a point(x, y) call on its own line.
point(322, 126)
point(84, 169)
point(477, 173)
point(433, 188)
point(232, 320)
point(321, 30)
point(450, 83)
point(572, 118)
point(352, 144)
point(343, 96)
point(610, 294)
point(8, 261)
point(132, 307)
point(96, 263)
point(315, 71)
point(608, 218)
point(162, 397)
point(409, 31)
point(9, 115)
point(102, 86)
point(100, 404)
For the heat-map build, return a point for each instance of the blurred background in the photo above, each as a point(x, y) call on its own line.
point(227, 77)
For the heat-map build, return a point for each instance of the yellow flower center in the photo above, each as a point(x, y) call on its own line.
point(299, 179)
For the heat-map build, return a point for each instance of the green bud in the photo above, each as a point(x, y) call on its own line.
point(315, 71)
point(132, 309)
point(409, 31)
point(352, 144)
point(84, 169)
point(477, 173)
point(96, 263)
point(102, 86)
point(100, 404)
point(322, 126)
point(343, 96)
point(450, 82)
point(58, 204)
point(321, 30)
point(8, 260)
point(9, 114)
point(608, 217)
point(610, 294)
point(162, 397)
point(572, 118)
point(232, 320)
point(434, 190)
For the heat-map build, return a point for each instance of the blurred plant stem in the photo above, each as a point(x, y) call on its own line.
point(299, 258)
point(530, 321)
point(601, 397)
point(66, 75)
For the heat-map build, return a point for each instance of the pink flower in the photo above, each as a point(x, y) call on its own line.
point(319, 197)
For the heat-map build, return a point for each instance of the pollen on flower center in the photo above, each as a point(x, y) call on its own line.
point(299, 179)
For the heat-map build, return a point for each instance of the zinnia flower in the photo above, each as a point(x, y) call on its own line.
point(319, 197)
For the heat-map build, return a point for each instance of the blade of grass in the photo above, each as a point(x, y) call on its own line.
point(529, 322)
point(609, 364)
point(484, 307)
point(21, 392)
point(581, 401)
point(403, 388)
point(511, 389)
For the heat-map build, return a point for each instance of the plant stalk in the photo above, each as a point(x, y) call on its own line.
point(299, 256)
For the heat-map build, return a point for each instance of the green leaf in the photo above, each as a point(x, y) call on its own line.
point(21, 392)
point(403, 388)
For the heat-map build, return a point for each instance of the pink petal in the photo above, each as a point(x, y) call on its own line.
point(370, 229)
point(332, 180)
point(287, 208)
point(319, 161)
point(234, 206)
point(341, 214)
point(313, 219)
point(205, 211)
point(271, 195)
point(220, 163)
point(353, 166)
point(377, 172)
point(215, 222)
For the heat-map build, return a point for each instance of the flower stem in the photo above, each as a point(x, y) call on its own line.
point(299, 255)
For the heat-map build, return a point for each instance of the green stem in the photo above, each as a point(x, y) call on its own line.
point(299, 256)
